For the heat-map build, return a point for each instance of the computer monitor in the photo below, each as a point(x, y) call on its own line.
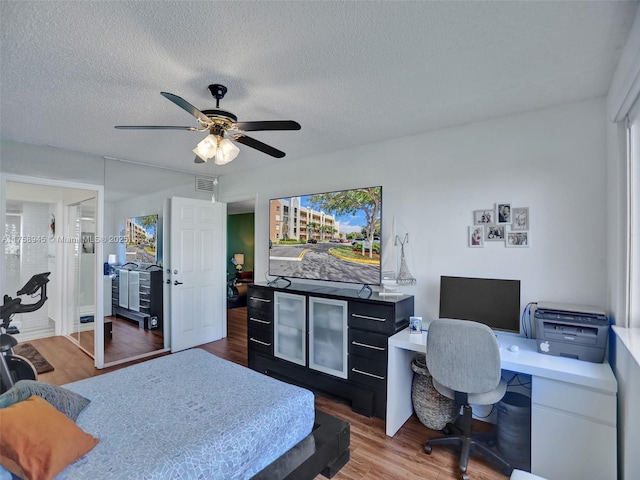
point(494, 302)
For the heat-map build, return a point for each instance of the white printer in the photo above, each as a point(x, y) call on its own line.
point(575, 331)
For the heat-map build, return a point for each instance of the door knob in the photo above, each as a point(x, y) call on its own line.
point(176, 282)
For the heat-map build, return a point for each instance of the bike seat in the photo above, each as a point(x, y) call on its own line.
point(7, 342)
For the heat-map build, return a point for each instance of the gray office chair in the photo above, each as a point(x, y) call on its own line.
point(463, 358)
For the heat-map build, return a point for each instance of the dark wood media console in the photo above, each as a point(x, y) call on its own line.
point(326, 339)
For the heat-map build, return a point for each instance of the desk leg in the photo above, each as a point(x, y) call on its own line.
point(399, 379)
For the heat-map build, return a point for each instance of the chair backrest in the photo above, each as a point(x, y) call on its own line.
point(463, 355)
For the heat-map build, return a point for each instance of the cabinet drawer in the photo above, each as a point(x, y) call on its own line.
point(371, 317)
point(260, 340)
point(574, 399)
point(259, 322)
point(260, 301)
point(367, 344)
point(368, 372)
point(260, 293)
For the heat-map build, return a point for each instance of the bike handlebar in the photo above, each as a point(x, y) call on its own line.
point(12, 306)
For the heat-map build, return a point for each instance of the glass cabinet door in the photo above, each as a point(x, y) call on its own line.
point(328, 336)
point(290, 327)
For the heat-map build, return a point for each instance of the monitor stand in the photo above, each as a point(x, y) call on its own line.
point(274, 282)
point(365, 288)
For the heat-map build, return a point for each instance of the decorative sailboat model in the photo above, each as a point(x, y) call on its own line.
point(390, 280)
point(404, 276)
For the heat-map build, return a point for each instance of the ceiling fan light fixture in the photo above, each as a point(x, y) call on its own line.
point(206, 149)
point(226, 152)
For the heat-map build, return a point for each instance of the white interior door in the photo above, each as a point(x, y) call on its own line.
point(197, 272)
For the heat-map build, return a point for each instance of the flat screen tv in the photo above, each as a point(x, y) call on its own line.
point(331, 236)
point(141, 238)
point(494, 302)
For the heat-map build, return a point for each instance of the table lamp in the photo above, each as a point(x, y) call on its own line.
point(239, 261)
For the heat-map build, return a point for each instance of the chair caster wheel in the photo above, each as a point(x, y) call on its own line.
point(464, 476)
point(427, 449)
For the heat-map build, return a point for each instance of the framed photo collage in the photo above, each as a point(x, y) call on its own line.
point(503, 223)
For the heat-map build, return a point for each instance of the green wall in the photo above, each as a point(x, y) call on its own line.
point(240, 239)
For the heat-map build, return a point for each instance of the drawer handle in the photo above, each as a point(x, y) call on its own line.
point(365, 317)
point(260, 342)
point(258, 299)
point(366, 346)
point(367, 374)
point(259, 321)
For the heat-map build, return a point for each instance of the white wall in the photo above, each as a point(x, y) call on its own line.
point(48, 162)
point(551, 160)
point(624, 90)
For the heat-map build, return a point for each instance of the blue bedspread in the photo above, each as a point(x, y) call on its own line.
point(188, 415)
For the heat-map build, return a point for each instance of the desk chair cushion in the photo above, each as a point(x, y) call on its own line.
point(463, 356)
point(487, 398)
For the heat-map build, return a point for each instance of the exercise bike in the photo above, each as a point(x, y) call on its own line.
point(14, 367)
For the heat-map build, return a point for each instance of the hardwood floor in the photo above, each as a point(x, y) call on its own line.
point(127, 340)
point(374, 456)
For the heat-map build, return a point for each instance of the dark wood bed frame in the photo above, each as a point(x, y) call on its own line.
point(324, 451)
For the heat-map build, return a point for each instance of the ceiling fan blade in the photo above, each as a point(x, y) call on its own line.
point(182, 103)
point(258, 145)
point(158, 127)
point(268, 125)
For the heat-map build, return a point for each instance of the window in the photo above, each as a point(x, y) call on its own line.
point(634, 216)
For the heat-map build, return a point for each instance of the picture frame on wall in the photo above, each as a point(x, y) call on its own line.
point(494, 233)
point(483, 217)
point(476, 236)
point(520, 219)
point(503, 213)
point(517, 240)
point(88, 242)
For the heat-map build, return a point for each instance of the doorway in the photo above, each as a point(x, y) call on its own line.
point(240, 255)
point(44, 221)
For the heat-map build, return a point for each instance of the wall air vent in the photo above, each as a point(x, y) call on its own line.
point(205, 184)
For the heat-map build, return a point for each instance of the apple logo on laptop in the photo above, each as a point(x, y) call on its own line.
point(544, 346)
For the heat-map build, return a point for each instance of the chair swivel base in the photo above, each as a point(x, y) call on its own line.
point(469, 445)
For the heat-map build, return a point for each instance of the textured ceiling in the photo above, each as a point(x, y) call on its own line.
point(350, 73)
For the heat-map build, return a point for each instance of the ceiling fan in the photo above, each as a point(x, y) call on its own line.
point(222, 126)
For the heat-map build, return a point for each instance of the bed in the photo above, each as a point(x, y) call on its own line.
point(194, 415)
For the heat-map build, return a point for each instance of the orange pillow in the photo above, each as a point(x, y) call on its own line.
point(37, 441)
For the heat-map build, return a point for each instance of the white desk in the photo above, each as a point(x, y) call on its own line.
point(573, 406)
